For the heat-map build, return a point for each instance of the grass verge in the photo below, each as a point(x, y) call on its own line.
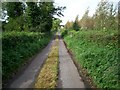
point(48, 75)
point(98, 55)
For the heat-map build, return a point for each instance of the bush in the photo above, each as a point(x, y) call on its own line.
point(18, 47)
point(18, 24)
point(98, 55)
point(64, 32)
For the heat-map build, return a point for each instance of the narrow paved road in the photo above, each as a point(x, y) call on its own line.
point(69, 76)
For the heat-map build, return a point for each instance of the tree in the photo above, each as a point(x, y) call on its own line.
point(76, 24)
point(15, 13)
point(38, 16)
point(87, 22)
point(41, 14)
point(56, 24)
point(118, 16)
point(69, 25)
point(14, 9)
point(105, 15)
point(101, 15)
point(112, 20)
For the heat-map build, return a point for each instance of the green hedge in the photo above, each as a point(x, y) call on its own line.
point(18, 47)
point(98, 54)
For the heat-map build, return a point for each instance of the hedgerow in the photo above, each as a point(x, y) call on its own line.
point(97, 52)
point(18, 47)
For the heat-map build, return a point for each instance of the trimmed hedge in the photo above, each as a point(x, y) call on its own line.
point(18, 47)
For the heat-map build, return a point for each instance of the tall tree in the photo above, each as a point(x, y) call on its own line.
point(105, 15)
point(41, 14)
point(76, 24)
point(56, 24)
point(118, 16)
point(69, 25)
point(112, 22)
point(85, 19)
point(15, 12)
point(14, 9)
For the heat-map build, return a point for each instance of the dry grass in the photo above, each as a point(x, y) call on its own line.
point(47, 77)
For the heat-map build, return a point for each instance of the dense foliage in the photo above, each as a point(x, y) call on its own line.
point(31, 16)
point(41, 15)
point(95, 44)
point(18, 47)
point(56, 25)
point(76, 25)
point(14, 9)
point(97, 52)
point(26, 31)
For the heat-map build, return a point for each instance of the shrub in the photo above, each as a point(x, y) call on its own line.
point(18, 47)
point(98, 54)
point(64, 32)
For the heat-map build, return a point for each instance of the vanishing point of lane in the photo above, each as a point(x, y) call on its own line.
point(68, 74)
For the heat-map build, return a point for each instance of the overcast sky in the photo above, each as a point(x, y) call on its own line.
point(78, 7)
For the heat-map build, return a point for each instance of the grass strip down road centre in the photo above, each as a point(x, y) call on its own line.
point(48, 75)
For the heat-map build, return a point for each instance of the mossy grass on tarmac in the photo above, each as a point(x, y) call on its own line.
point(48, 75)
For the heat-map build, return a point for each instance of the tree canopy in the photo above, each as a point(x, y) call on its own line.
point(32, 16)
point(105, 17)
